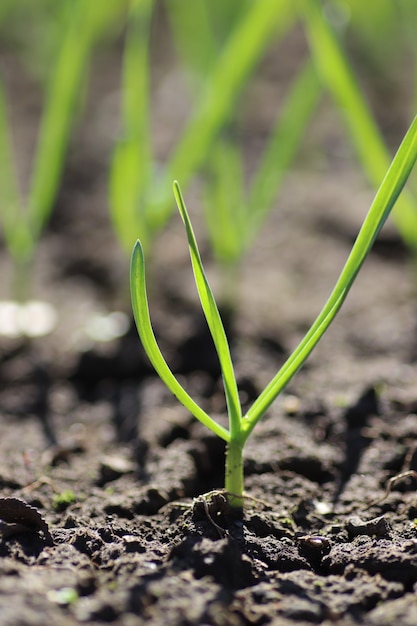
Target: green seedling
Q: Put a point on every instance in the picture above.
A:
(131, 166)
(241, 426)
(23, 219)
(134, 175)
(233, 213)
(234, 217)
(61, 501)
(200, 30)
(339, 79)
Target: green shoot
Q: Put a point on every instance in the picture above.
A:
(339, 79)
(290, 127)
(135, 206)
(235, 64)
(193, 37)
(241, 426)
(15, 230)
(23, 219)
(408, 14)
(233, 220)
(132, 159)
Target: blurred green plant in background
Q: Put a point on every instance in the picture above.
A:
(362, 129)
(65, 32)
(218, 47)
(140, 190)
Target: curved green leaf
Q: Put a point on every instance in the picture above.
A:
(338, 77)
(147, 337)
(214, 321)
(384, 201)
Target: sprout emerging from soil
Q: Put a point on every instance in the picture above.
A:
(241, 426)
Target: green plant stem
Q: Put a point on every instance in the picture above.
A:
(234, 474)
(21, 279)
(290, 128)
(337, 75)
(222, 87)
(131, 164)
(59, 111)
(229, 288)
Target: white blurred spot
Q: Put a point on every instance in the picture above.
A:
(107, 327)
(37, 318)
(9, 319)
(31, 319)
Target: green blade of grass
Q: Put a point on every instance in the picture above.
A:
(214, 321)
(130, 170)
(408, 14)
(232, 220)
(16, 234)
(9, 193)
(56, 123)
(127, 212)
(146, 334)
(224, 206)
(336, 74)
(236, 62)
(384, 201)
(200, 28)
(192, 34)
(136, 74)
(5, 7)
(290, 127)
(86, 20)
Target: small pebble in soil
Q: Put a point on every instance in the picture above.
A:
(112, 467)
(378, 526)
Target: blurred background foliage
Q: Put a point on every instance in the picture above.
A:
(202, 59)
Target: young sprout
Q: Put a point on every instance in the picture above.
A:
(135, 206)
(23, 218)
(241, 426)
(338, 77)
(233, 217)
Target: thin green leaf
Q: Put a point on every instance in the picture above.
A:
(9, 194)
(338, 77)
(233, 221)
(146, 334)
(85, 21)
(136, 73)
(15, 231)
(131, 165)
(224, 207)
(241, 52)
(290, 127)
(56, 123)
(127, 212)
(5, 7)
(214, 321)
(192, 34)
(383, 203)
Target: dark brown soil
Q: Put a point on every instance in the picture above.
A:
(92, 439)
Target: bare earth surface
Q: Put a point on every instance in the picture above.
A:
(92, 440)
